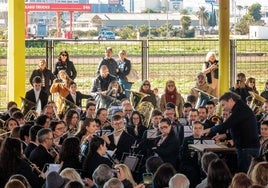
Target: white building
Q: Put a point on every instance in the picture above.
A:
(258, 32)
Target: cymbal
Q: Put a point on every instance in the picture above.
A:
(199, 90)
(256, 96)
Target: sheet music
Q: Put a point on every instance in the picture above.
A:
(53, 168)
(152, 133)
(188, 130)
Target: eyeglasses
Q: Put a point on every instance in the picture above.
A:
(170, 85)
(146, 84)
(163, 127)
(50, 138)
(64, 55)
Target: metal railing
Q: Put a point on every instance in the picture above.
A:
(155, 60)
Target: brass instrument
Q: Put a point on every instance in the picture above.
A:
(217, 119)
(256, 103)
(144, 107)
(29, 108)
(67, 105)
(203, 98)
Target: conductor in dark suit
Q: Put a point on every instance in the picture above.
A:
(36, 93)
(243, 128)
(120, 140)
(76, 96)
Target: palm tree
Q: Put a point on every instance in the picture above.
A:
(203, 16)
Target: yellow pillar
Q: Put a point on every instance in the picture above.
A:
(224, 46)
(16, 51)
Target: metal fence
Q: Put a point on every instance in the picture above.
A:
(155, 60)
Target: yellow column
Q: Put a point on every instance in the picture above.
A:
(16, 51)
(224, 47)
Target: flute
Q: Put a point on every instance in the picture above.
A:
(3, 134)
(117, 131)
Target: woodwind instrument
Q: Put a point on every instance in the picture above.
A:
(32, 165)
(6, 133)
(117, 131)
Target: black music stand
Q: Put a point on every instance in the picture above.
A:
(133, 161)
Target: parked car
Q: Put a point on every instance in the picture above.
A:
(106, 35)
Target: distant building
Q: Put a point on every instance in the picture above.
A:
(258, 32)
(120, 20)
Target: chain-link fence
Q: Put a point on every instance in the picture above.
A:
(155, 60)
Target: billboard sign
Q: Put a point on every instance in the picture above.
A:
(57, 7)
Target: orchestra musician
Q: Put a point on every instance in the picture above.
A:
(120, 141)
(170, 114)
(136, 127)
(69, 155)
(13, 162)
(264, 132)
(7, 113)
(71, 119)
(33, 140)
(58, 128)
(166, 146)
(203, 117)
(95, 156)
(102, 115)
(201, 84)
(76, 96)
(189, 163)
(240, 87)
(211, 109)
(36, 93)
(44, 153)
(115, 90)
(85, 134)
(264, 92)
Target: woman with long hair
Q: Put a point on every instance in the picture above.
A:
(65, 64)
(61, 86)
(251, 82)
(211, 69)
(71, 119)
(115, 90)
(219, 174)
(136, 127)
(171, 94)
(124, 175)
(69, 155)
(146, 88)
(95, 156)
(12, 162)
(85, 135)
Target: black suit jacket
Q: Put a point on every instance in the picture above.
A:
(124, 144)
(168, 149)
(92, 161)
(79, 97)
(40, 157)
(28, 150)
(31, 97)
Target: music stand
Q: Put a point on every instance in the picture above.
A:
(133, 161)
